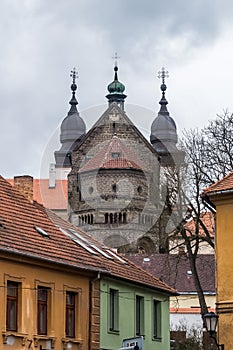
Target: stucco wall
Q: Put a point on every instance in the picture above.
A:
(30, 276)
(224, 253)
(127, 294)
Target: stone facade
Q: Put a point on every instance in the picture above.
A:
(117, 205)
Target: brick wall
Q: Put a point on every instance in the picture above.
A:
(24, 185)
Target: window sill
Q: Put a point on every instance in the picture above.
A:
(112, 331)
(38, 338)
(7, 334)
(65, 341)
(157, 339)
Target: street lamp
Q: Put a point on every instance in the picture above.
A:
(211, 322)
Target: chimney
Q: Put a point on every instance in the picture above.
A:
(52, 176)
(24, 185)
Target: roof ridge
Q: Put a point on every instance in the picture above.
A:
(215, 184)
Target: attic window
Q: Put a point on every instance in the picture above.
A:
(116, 154)
(42, 232)
(89, 156)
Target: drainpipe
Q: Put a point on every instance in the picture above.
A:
(91, 286)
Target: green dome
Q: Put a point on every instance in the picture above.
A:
(116, 87)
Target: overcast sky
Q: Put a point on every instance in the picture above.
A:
(42, 40)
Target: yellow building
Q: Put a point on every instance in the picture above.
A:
(220, 195)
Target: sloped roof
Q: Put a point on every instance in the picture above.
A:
(102, 120)
(64, 244)
(104, 158)
(51, 197)
(175, 270)
(207, 219)
(222, 185)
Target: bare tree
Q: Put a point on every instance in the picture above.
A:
(209, 157)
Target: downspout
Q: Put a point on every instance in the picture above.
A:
(91, 283)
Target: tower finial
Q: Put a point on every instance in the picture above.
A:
(73, 102)
(116, 88)
(73, 74)
(163, 74)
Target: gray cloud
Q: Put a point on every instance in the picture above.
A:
(42, 40)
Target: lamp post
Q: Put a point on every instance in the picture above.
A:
(211, 322)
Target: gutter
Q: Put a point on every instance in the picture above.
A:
(206, 198)
(64, 264)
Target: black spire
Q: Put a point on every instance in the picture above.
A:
(73, 102)
(73, 128)
(163, 129)
(163, 102)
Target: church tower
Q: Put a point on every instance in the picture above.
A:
(114, 188)
(163, 131)
(73, 129)
(113, 178)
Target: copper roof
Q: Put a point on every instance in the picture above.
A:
(222, 185)
(104, 158)
(19, 219)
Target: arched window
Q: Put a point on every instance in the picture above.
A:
(111, 218)
(115, 218)
(120, 218)
(106, 218)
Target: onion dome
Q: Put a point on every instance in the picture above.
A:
(163, 129)
(116, 87)
(116, 90)
(73, 129)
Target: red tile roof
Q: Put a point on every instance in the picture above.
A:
(104, 158)
(18, 235)
(208, 220)
(224, 184)
(50, 197)
(189, 310)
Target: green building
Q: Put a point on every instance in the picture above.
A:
(130, 310)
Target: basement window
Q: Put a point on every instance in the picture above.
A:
(42, 232)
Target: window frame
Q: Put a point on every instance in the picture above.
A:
(113, 310)
(70, 307)
(139, 315)
(157, 320)
(42, 310)
(12, 300)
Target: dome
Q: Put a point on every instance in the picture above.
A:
(163, 129)
(116, 91)
(72, 128)
(116, 87)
